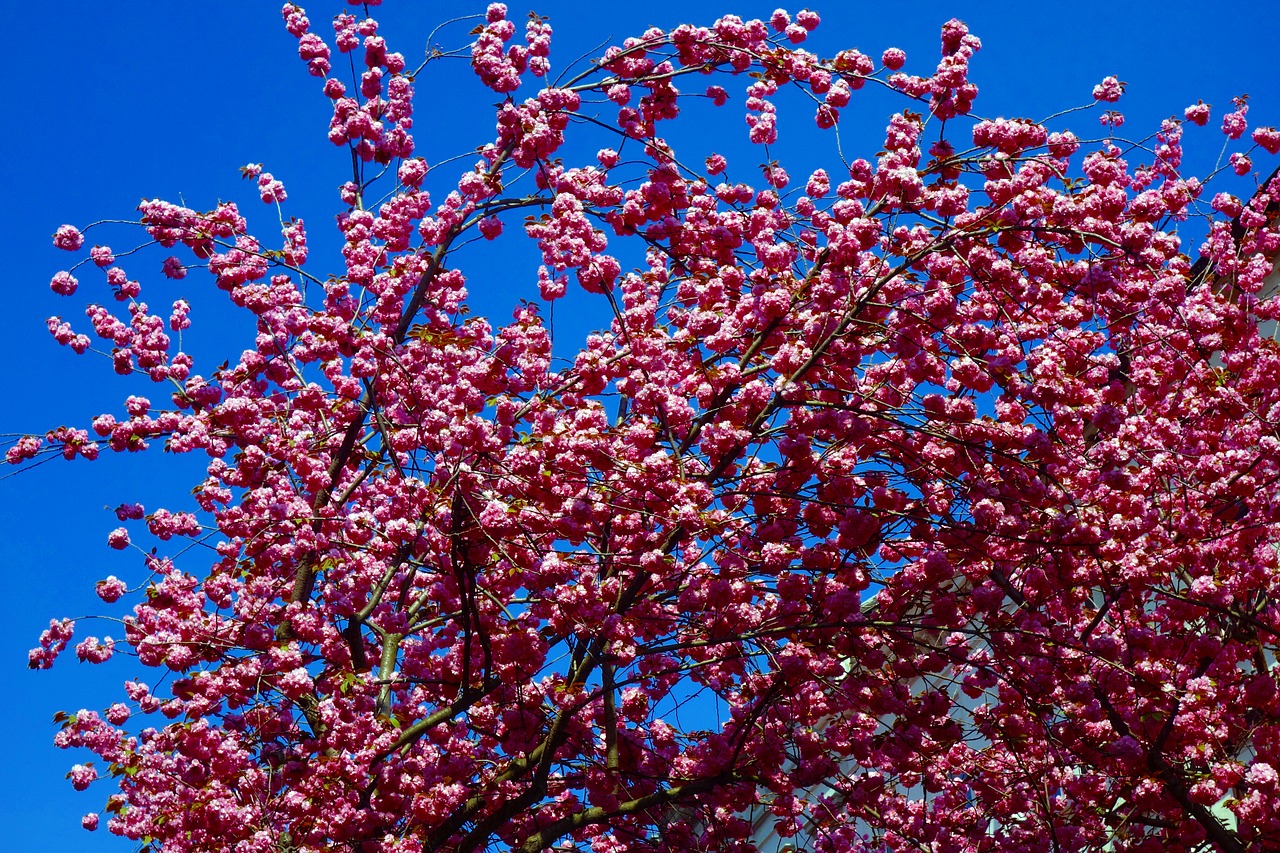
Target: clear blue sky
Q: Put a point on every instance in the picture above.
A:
(112, 102)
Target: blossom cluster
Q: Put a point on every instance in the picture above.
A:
(942, 469)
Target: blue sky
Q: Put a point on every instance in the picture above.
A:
(113, 102)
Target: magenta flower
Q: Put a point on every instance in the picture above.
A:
(68, 238)
(893, 58)
(111, 589)
(173, 268)
(82, 775)
(64, 284)
(1109, 90)
(1197, 113)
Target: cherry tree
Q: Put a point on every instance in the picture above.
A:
(922, 501)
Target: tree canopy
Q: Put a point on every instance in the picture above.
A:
(923, 500)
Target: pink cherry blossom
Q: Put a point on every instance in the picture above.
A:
(53, 640)
(111, 589)
(1268, 138)
(68, 238)
(64, 284)
(1234, 123)
(173, 268)
(23, 449)
(1109, 90)
(82, 775)
(93, 650)
(1197, 113)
